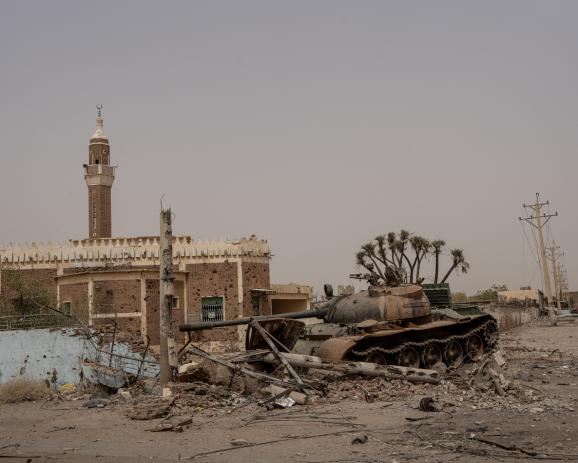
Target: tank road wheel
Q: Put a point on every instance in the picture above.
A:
(491, 333)
(475, 347)
(376, 357)
(430, 355)
(408, 357)
(454, 354)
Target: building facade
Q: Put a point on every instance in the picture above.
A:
(112, 281)
(106, 281)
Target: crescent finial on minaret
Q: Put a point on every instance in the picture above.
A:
(99, 133)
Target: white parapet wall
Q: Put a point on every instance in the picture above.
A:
(137, 250)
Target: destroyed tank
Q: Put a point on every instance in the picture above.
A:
(396, 325)
(384, 325)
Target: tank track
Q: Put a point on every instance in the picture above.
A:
(488, 331)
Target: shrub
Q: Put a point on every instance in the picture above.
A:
(22, 389)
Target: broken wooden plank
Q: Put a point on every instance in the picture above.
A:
(416, 375)
(268, 339)
(246, 371)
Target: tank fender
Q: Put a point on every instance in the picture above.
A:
(334, 349)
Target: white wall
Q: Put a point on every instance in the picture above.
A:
(45, 353)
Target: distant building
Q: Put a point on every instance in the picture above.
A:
(524, 296)
(290, 298)
(572, 298)
(107, 280)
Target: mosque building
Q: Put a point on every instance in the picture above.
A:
(105, 280)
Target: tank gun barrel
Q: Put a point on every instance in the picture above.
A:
(315, 313)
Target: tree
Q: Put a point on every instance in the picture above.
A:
(21, 295)
(458, 261)
(393, 259)
(421, 248)
(459, 296)
(437, 246)
(491, 293)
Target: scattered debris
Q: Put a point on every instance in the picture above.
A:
(67, 389)
(489, 374)
(296, 397)
(417, 375)
(96, 403)
(428, 404)
(505, 447)
(360, 439)
(239, 442)
(284, 402)
(62, 428)
(162, 427)
(124, 394)
(150, 410)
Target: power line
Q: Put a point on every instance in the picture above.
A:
(530, 280)
(537, 222)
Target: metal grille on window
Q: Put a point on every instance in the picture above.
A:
(212, 309)
(66, 307)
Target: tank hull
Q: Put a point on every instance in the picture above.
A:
(424, 345)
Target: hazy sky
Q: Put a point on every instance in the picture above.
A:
(313, 124)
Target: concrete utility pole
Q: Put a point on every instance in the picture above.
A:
(539, 225)
(553, 254)
(168, 346)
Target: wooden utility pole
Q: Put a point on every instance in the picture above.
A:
(539, 225)
(168, 350)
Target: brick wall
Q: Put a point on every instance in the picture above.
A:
(99, 152)
(126, 327)
(153, 310)
(32, 281)
(121, 296)
(210, 280)
(77, 295)
(255, 276)
(100, 196)
(153, 304)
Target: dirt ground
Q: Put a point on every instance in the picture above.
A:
(536, 419)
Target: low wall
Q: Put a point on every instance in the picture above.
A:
(511, 317)
(56, 355)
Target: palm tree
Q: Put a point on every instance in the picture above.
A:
(437, 246)
(393, 259)
(391, 239)
(381, 241)
(423, 248)
(398, 247)
(369, 249)
(416, 244)
(458, 261)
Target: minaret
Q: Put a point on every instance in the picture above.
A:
(99, 176)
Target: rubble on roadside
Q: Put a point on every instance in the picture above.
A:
(271, 379)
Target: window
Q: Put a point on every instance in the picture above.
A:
(256, 304)
(176, 302)
(66, 307)
(212, 309)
